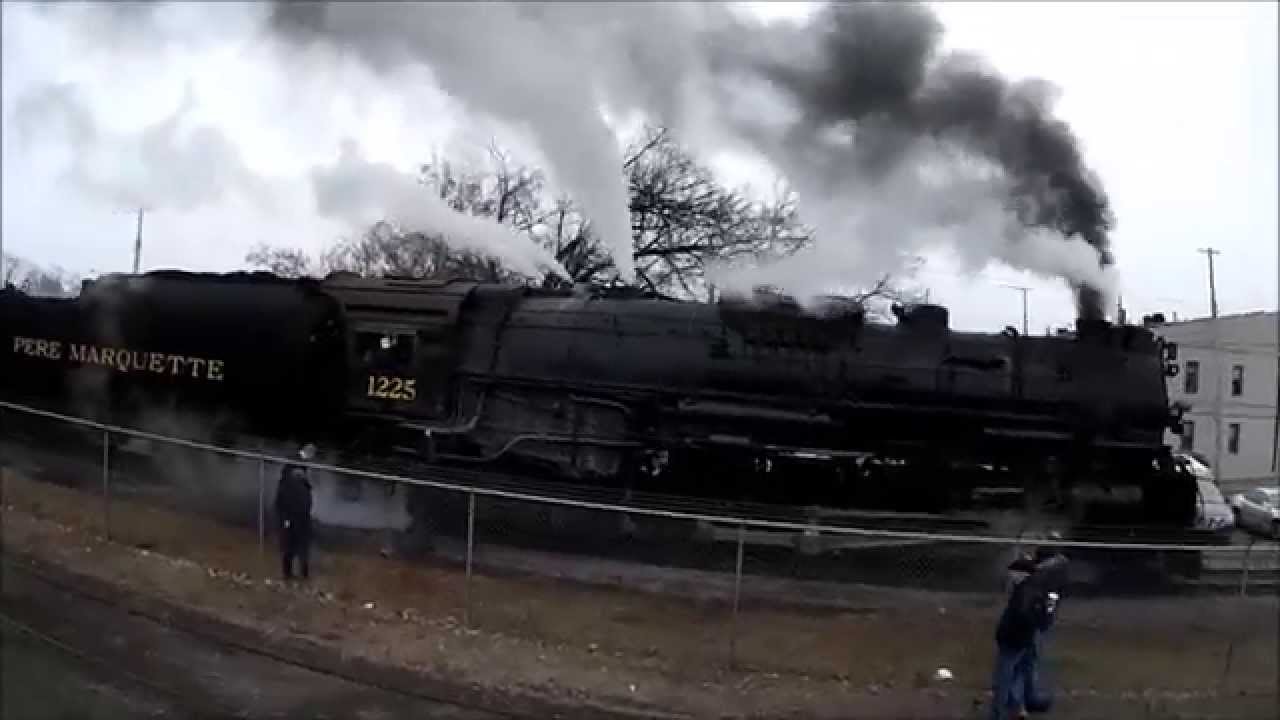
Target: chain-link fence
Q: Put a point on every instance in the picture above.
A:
(701, 591)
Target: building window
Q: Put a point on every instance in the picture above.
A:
(1191, 381)
(1237, 380)
(1233, 438)
(1188, 436)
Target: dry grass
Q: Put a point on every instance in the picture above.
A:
(550, 634)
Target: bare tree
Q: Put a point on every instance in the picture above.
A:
(8, 270)
(285, 262)
(682, 218)
(35, 280)
(386, 251)
(877, 301)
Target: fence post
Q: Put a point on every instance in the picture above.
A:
(1231, 638)
(262, 514)
(1244, 568)
(106, 482)
(737, 592)
(471, 536)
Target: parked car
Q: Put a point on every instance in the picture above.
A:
(1258, 510)
(1195, 464)
(1212, 510)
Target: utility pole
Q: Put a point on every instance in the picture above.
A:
(137, 243)
(1216, 367)
(1024, 291)
(1275, 427)
(1213, 292)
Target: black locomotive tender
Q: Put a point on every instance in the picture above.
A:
(756, 400)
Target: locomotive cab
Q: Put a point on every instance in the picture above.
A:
(384, 371)
(402, 343)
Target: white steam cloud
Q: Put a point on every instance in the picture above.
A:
(361, 193)
(497, 59)
(172, 164)
(893, 146)
(182, 163)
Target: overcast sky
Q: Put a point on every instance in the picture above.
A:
(1174, 103)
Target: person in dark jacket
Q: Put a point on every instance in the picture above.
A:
(1024, 614)
(293, 511)
(1050, 582)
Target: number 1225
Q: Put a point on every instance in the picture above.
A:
(392, 388)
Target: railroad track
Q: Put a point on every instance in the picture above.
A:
(204, 675)
(122, 680)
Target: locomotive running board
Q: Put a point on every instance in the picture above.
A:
(1036, 434)
(718, 408)
(1057, 435)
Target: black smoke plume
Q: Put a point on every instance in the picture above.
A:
(859, 107)
(872, 71)
(877, 70)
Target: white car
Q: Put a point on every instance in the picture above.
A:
(1212, 511)
(1258, 510)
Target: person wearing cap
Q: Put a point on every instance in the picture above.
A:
(293, 511)
(1048, 582)
(1014, 638)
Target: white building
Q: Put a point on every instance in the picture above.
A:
(1232, 361)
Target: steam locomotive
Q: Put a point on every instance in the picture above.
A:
(755, 399)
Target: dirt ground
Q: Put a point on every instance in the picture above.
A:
(69, 656)
(555, 639)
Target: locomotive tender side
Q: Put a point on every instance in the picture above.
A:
(214, 355)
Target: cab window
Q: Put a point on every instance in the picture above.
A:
(384, 350)
(385, 368)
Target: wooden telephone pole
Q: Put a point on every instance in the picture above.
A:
(137, 243)
(1215, 367)
(1213, 291)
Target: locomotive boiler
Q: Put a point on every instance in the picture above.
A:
(754, 399)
